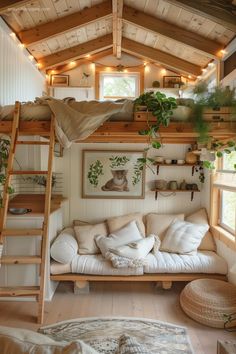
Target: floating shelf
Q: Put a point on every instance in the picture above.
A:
(175, 191)
(192, 165)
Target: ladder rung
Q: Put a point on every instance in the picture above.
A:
(28, 172)
(32, 142)
(20, 260)
(22, 232)
(20, 291)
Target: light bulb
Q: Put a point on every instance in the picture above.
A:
(163, 71)
(31, 57)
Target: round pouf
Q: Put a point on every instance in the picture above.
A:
(208, 301)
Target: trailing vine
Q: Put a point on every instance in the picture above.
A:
(95, 170)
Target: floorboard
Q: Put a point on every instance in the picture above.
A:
(115, 299)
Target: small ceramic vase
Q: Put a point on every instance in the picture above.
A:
(183, 185)
(173, 185)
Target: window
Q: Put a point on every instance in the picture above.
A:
(227, 184)
(119, 85)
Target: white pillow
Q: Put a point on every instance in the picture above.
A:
(183, 237)
(65, 247)
(157, 224)
(86, 234)
(117, 222)
(135, 250)
(22, 341)
(129, 233)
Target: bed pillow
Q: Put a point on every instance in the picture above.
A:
(129, 233)
(65, 247)
(135, 250)
(86, 234)
(200, 217)
(21, 341)
(183, 237)
(116, 223)
(158, 224)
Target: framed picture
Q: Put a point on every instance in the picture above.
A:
(59, 80)
(112, 174)
(171, 81)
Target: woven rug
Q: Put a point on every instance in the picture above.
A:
(103, 334)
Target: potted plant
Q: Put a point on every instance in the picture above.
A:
(215, 100)
(4, 153)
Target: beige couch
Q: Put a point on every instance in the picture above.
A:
(84, 263)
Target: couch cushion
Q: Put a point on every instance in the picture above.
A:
(22, 341)
(129, 233)
(183, 237)
(201, 262)
(200, 217)
(65, 246)
(118, 222)
(98, 265)
(86, 234)
(157, 224)
(59, 268)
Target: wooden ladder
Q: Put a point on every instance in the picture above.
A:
(35, 291)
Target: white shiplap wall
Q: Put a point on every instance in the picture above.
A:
(19, 78)
(99, 209)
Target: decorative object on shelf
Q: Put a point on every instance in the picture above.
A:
(159, 159)
(173, 185)
(180, 162)
(184, 109)
(19, 211)
(174, 162)
(161, 184)
(183, 185)
(172, 81)
(156, 84)
(168, 161)
(59, 80)
(113, 174)
(190, 157)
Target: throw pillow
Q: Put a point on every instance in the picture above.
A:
(129, 233)
(21, 341)
(86, 237)
(116, 223)
(200, 217)
(157, 224)
(65, 246)
(135, 250)
(183, 237)
(130, 345)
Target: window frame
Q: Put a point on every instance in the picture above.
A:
(220, 213)
(119, 74)
(137, 70)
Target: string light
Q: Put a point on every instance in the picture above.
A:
(31, 57)
(223, 52)
(163, 71)
(38, 65)
(189, 76)
(72, 63)
(13, 35)
(21, 45)
(88, 56)
(204, 70)
(211, 64)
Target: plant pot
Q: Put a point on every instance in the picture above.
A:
(181, 113)
(141, 108)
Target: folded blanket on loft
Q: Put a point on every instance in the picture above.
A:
(74, 120)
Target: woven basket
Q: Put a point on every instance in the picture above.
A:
(208, 301)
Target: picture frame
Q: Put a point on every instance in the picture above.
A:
(171, 81)
(59, 80)
(112, 174)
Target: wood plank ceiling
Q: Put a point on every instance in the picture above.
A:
(173, 33)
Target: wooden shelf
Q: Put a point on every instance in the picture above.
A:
(175, 191)
(192, 165)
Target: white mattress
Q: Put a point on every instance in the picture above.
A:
(97, 265)
(201, 262)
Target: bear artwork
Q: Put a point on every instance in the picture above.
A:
(118, 183)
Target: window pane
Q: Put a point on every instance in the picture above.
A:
(229, 161)
(228, 209)
(119, 86)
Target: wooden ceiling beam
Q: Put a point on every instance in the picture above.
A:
(117, 10)
(6, 5)
(170, 61)
(154, 24)
(67, 67)
(222, 12)
(64, 24)
(75, 52)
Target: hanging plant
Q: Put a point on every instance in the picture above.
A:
(4, 153)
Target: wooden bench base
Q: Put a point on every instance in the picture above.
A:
(81, 281)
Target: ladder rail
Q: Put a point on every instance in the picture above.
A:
(5, 232)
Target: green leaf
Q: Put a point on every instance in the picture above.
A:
(209, 165)
(231, 143)
(235, 166)
(227, 151)
(156, 144)
(219, 154)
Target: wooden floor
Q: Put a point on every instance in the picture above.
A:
(116, 299)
